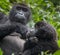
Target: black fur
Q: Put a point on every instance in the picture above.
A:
(11, 30)
(46, 35)
(15, 21)
(5, 26)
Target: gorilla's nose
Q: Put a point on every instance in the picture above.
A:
(22, 14)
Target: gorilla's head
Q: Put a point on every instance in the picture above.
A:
(45, 31)
(20, 13)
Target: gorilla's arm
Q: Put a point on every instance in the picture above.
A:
(6, 29)
(22, 29)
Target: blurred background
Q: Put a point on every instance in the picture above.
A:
(47, 10)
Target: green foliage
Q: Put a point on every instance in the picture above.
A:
(4, 6)
(57, 52)
(1, 52)
(58, 43)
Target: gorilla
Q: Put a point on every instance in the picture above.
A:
(14, 30)
(46, 36)
(19, 16)
(5, 27)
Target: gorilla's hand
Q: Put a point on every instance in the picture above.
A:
(20, 28)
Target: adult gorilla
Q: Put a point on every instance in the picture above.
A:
(14, 28)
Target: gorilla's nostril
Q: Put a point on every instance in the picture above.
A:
(21, 13)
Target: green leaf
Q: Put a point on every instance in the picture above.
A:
(1, 52)
(57, 52)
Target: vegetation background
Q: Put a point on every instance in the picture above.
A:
(47, 10)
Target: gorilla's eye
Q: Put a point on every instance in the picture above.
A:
(25, 9)
(18, 8)
(22, 8)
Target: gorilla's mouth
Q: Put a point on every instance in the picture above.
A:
(20, 17)
(20, 20)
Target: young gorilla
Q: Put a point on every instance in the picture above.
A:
(46, 36)
(16, 24)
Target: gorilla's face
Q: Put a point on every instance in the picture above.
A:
(20, 13)
(44, 31)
